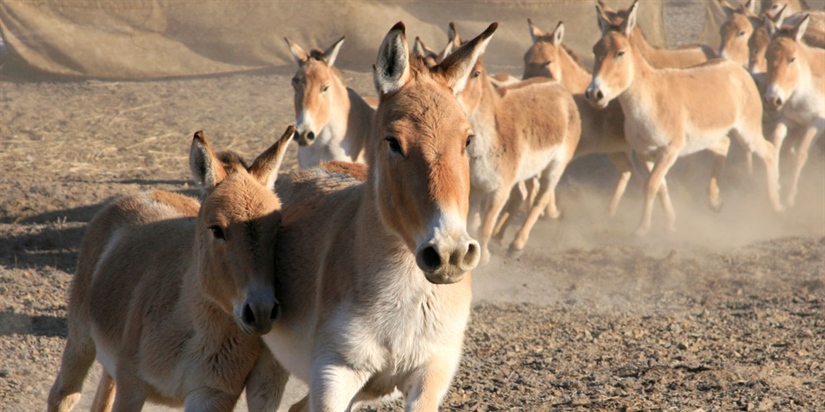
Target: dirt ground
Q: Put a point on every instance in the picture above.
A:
(725, 314)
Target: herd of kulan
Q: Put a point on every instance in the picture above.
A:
(353, 273)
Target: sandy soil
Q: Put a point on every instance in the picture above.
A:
(725, 314)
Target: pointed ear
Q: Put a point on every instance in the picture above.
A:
(332, 52)
(452, 36)
(604, 6)
(298, 54)
(392, 70)
(207, 170)
(449, 48)
(779, 17)
(770, 26)
(748, 10)
(535, 33)
(558, 34)
(630, 22)
(602, 20)
(421, 50)
(799, 30)
(457, 67)
(727, 8)
(266, 165)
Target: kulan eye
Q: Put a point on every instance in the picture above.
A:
(792, 59)
(324, 89)
(217, 232)
(476, 74)
(620, 53)
(470, 138)
(395, 147)
(741, 33)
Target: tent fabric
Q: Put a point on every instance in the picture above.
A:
(143, 39)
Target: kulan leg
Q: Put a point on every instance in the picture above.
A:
(667, 157)
(816, 129)
(78, 357)
(105, 395)
(720, 154)
(663, 193)
(497, 201)
(547, 196)
(334, 385)
(433, 382)
(266, 383)
(512, 207)
(624, 164)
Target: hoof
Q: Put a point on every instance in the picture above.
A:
(514, 253)
(716, 207)
(485, 258)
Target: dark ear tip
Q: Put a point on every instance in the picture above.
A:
(491, 29)
(399, 27)
(290, 130)
(199, 135)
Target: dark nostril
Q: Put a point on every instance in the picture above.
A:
(311, 136)
(276, 312)
(430, 258)
(778, 102)
(599, 95)
(248, 316)
(472, 254)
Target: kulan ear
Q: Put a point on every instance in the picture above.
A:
(457, 67)
(207, 170)
(298, 54)
(770, 26)
(727, 8)
(750, 6)
(558, 34)
(799, 30)
(630, 22)
(331, 53)
(779, 17)
(452, 36)
(392, 69)
(266, 165)
(602, 20)
(421, 50)
(535, 32)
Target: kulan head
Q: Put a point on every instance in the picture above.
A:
(614, 67)
(736, 31)
(236, 228)
(419, 168)
(543, 56)
(785, 63)
(314, 85)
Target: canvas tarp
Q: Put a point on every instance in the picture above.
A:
(141, 39)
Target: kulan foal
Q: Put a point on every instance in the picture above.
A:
(172, 296)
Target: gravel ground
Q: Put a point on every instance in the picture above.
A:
(725, 314)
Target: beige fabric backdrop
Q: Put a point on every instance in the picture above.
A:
(140, 39)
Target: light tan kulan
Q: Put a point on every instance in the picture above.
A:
(172, 296)
(375, 274)
(666, 110)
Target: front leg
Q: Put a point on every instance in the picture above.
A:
(427, 391)
(817, 128)
(265, 384)
(488, 223)
(667, 157)
(208, 399)
(334, 384)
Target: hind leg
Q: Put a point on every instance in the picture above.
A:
(514, 203)
(751, 139)
(74, 365)
(546, 199)
(816, 129)
(720, 154)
